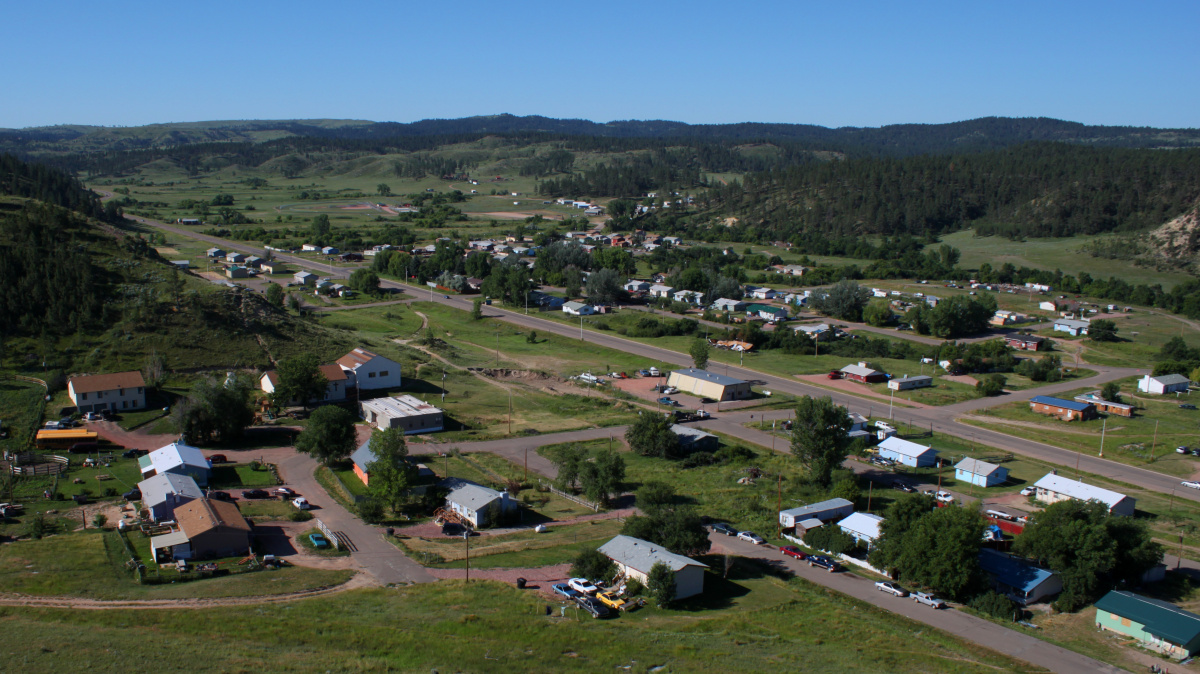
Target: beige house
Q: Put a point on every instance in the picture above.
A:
(634, 559)
(119, 391)
(705, 384)
(207, 530)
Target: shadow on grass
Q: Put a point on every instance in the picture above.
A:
(722, 588)
(260, 437)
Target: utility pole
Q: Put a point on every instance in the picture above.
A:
(581, 327)
(1103, 426)
(467, 540)
(870, 493)
(526, 463)
(778, 504)
(1154, 441)
(510, 427)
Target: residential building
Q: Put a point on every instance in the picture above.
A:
(406, 412)
(1067, 410)
(863, 527)
(1071, 327)
(362, 458)
(689, 296)
(208, 529)
(310, 248)
(1156, 625)
(1046, 306)
(792, 269)
(732, 306)
(304, 278)
(336, 383)
(760, 293)
(659, 290)
(824, 511)
(330, 250)
(635, 286)
(1106, 406)
(1019, 579)
(859, 426)
(907, 382)
(705, 384)
(179, 459)
(272, 267)
(818, 331)
(479, 506)
(1025, 342)
(215, 252)
(119, 391)
(980, 473)
(237, 272)
(908, 453)
(1163, 384)
(694, 439)
(1054, 488)
(578, 309)
(768, 313)
(235, 258)
(635, 558)
(369, 371)
(253, 262)
(162, 493)
(863, 374)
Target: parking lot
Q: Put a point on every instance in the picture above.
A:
(643, 387)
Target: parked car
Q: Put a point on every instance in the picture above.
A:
(318, 541)
(835, 374)
(1181, 450)
(665, 401)
(824, 562)
(283, 492)
(721, 528)
(565, 590)
(643, 373)
(91, 416)
(219, 495)
(670, 390)
(1191, 484)
(793, 551)
(301, 503)
(134, 453)
(751, 537)
(53, 425)
(901, 486)
(1187, 406)
(610, 599)
(1029, 491)
(582, 586)
(134, 494)
(941, 496)
(218, 458)
(1196, 451)
(593, 606)
(928, 600)
(891, 588)
(255, 493)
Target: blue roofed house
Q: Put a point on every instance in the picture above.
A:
(179, 459)
(980, 473)
(908, 453)
(1156, 625)
(1020, 580)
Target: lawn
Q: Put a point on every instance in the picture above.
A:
(240, 476)
(1141, 335)
(18, 413)
(90, 564)
(750, 622)
(557, 545)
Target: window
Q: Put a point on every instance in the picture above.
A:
(383, 374)
(124, 404)
(1124, 622)
(83, 396)
(141, 390)
(121, 393)
(371, 375)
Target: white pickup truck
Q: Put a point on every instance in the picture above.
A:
(928, 600)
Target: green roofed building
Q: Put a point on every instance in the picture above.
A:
(1159, 626)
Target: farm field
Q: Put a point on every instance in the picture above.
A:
(748, 622)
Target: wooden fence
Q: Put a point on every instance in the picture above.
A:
(572, 498)
(41, 464)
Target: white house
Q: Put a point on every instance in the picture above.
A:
(635, 558)
(1071, 327)
(908, 453)
(1166, 383)
(732, 306)
(117, 391)
(236, 258)
(910, 382)
(310, 248)
(760, 293)
(304, 278)
(1046, 306)
(336, 383)
(825, 511)
(659, 290)
(635, 286)
(578, 309)
(689, 296)
(980, 473)
(864, 527)
(1054, 488)
(477, 505)
(179, 459)
(368, 371)
(820, 332)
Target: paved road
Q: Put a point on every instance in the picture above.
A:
(963, 625)
(521, 449)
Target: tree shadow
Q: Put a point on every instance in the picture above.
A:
(722, 589)
(260, 437)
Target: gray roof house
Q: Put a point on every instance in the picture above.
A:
(478, 505)
(834, 508)
(635, 558)
(694, 439)
(162, 492)
(177, 458)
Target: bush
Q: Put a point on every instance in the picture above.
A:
(99, 520)
(634, 587)
(593, 565)
(698, 459)
(830, 538)
(300, 516)
(991, 385)
(996, 605)
(734, 453)
(370, 510)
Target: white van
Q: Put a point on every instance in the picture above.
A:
(654, 372)
(301, 503)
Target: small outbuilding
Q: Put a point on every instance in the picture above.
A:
(908, 453)
(694, 439)
(1162, 384)
(1156, 625)
(980, 473)
(635, 558)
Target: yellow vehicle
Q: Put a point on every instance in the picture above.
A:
(610, 599)
(64, 439)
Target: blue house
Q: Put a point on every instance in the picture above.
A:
(1018, 579)
(908, 453)
(980, 473)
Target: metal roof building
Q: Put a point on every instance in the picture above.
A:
(1021, 580)
(1054, 488)
(907, 453)
(1157, 625)
(705, 384)
(636, 557)
(833, 509)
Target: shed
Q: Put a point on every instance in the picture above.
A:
(236, 258)
(635, 558)
(1071, 327)
(1166, 383)
(864, 527)
(406, 412)
(1019, 579)
(980, 473)
(215, 252)
(694, 439)
(1067, 410)
(906, 383)
(1157, 625)
(862, 373)
(304, 278)
(705, 384)
(578, 309)
(833, 509)
(908, 453)
(1054, 488)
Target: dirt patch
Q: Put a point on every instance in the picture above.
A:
(540, 578)
(853, 388)
(961, 378)
(521, 215)
(526, 376)
(166, 250)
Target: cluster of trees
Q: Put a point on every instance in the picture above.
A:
(51, 186)
(599, 475)
(1176, 357)
(667, 522)
(956, 316)
(931, 546)
(216, 410)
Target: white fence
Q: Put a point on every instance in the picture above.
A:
(862, 563)
(333, 540)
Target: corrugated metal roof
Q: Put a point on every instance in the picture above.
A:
(705, 375)
(155, 489)
(1172, 379)
(1163, 620)
(472, 496)
(1059, 402)
(904, 447)
(643, 555)
(863, 523)
(1079, 490)
(859, 370)
(805, 512)
(977, 467)
(1013, 571)
(176, 454)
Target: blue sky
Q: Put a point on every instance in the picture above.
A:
(828, 63)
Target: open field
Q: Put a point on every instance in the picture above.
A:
(557, 545)
(18, 412)
(750, 622)
(1141, 335)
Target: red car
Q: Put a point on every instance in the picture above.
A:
(793, 551)
(835, 374)
(218, 458)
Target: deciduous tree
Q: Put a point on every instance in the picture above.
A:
(391, 476)
(819, 436)
(329, 435)
(298, 378)
(651, 435)
(661, 584)
(699, 352)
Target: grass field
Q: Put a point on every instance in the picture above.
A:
(749, 622)
(18, 412)
(89, 564)
(557, 545)
(1141, 335)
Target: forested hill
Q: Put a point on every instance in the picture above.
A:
(894, 140)
(1040, 189)
(35, 181)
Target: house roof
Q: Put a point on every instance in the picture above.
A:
(1070, 323)
(906, 448)
(863, 523)
(1028, 339)
(270, 376)
(167, 540)
(1169, 379)
(155, 489)
(643, 555)
(810, 523)
(705, 375)
(1013, 571)
(860, 370)
(813, 329)
(175, 454)
(90, 383)
(1079, 490)
(202, 515)
(661, 289)
(805, 512)
(469, 495)
(359, 356)
(976, 467)
(332, 372)
(915, 377)
(1163, 620)
(574, 306)
(693, 433)
(1059, 402)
